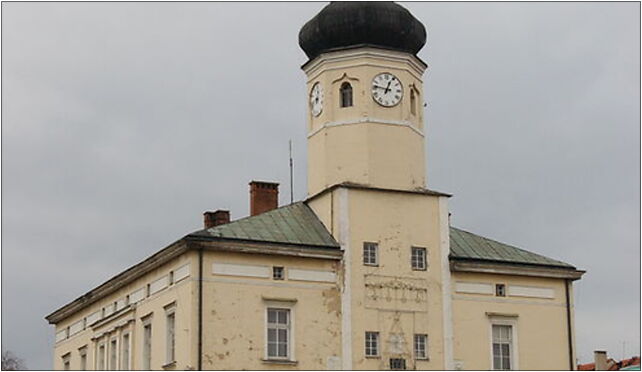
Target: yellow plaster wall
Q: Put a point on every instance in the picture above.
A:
(396, 221)
(235, 306)
(541, 328)
(180, 293)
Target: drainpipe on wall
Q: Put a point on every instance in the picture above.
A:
(200, 309)
(569, 327)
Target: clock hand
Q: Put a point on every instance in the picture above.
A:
(388, 86)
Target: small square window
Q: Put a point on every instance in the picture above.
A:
(500, 290)
(278, 273)
(370, 254)
(397, 363)
(418, 258)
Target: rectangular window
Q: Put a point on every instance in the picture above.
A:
(397, 363)
(278, 333)
(418, 258)
(278, 273)
(421, 346)
(124, 357)
(147, 345)
(101, 357)
(171, 336)
(370, 254)
(502, 346)
(372, 344)
(82, 352)
(66, 362)
(500, 290)
(113, 355)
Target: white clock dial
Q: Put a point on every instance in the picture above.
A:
(386, 89)
(316, 99)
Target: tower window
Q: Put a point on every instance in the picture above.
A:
(397, 364)
(370, 254)
(372, 344)
(413, 102)
(346, 95)
(500, 290)
(418, 258)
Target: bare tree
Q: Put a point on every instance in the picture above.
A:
(10, 362)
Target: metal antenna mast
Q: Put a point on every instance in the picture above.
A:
(291, 187)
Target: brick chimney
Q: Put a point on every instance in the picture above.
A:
(601, 363)
(264, 196)
(219, 217)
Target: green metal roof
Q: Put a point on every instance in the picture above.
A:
(297, 224)
(292, 224)
(468, 246)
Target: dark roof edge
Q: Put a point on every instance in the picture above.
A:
(514, 268)
(259, 247)
(358, 186)
(357, 46)
(264, 242)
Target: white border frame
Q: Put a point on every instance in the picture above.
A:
(514, 353)
(273, 304)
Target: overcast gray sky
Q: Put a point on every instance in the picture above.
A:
(123, 122)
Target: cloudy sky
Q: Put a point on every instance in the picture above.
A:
(123, 122)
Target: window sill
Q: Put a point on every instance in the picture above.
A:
(280, 361)
(171, 364)
(373, 356)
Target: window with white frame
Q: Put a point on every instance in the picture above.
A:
(370, 254)
(421, 346)
(170, 319)
(113, 354)
(66, 362)
(372, 344)
(82, 353)
(502, 346)
(418, 258)
(278, 333)
(124, 356)
(100, 365)
(147, 343)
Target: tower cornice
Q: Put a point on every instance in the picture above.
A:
(361, 55)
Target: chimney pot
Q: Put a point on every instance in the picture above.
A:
(219, 217)
(601, 363)
(264, 196)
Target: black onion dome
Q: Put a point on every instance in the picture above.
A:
(352, 23)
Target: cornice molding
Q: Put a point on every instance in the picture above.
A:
(471, 266)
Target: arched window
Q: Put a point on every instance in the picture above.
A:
(413, 102)
(346, 94)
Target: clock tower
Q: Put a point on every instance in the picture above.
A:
(365, 96)
(367, 184)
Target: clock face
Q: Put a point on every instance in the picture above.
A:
(316, 99)
(386, 89)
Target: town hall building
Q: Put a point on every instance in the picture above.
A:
(365, 273)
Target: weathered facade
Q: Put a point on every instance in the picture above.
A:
(366, 273)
